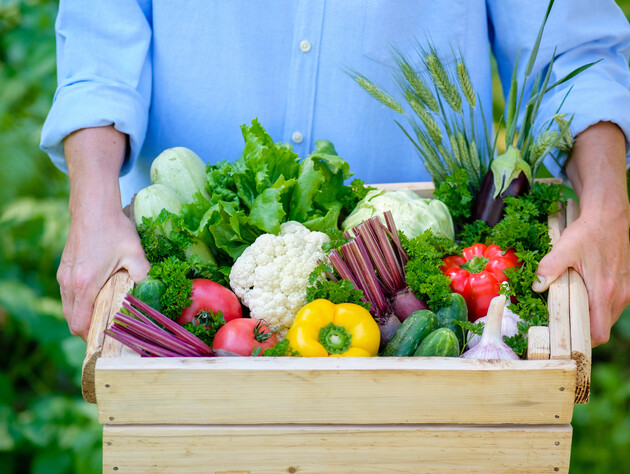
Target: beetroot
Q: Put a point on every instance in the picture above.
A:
(388, 326)
(406, 302)
(374, 261)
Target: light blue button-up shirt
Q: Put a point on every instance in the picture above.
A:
(189, 73)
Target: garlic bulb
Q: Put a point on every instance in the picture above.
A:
(491, 345)
(509, 326)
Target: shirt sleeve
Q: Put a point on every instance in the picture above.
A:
(103, 73)
(580, 32)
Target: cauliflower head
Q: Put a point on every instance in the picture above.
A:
(271, 275)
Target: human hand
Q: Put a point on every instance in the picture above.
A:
(598, 248)
(99, 244)
(101, 239)
(597, 245)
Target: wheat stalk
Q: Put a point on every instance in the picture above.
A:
(417, 85)
(566, 140)
(379, 94)
(433, 129)
(442, 82)
(465, 84)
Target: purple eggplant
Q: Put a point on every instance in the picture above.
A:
(490, 209)
(511, 175)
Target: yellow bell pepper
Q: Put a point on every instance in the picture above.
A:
(322, 329)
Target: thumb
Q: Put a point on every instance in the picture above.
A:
(552, 265)
(137, 266)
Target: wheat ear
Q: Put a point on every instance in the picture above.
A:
(442, 82)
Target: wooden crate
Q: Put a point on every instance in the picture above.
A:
(377, 415)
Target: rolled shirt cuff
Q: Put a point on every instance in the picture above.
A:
(91, 103)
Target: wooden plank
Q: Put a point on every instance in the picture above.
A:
(424, 189)
(580, 336)
(538, 343)
(259, 390)
(336, 449)
(106, 305)
(580, 323)
(558, 301)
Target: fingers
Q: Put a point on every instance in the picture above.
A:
(79, 288)
(609, 295)
(554, 264)
(137, 265)
(92, 254)
(604, 264)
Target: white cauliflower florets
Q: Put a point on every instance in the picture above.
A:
(271, 275)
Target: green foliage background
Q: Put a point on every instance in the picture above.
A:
(45, 426)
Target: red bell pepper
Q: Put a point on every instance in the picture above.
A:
(477, 275)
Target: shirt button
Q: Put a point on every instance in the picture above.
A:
(305, 46)
(297, 137)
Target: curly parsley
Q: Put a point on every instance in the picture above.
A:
(423, 273)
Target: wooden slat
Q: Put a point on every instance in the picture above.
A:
(538, 343)
(580, 323)
(424, 190)
(237, 390)
(341, 449)
(107, 303)
(558, 301)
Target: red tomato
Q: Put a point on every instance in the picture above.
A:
(241, 336)
(210, 296)
(477, 275)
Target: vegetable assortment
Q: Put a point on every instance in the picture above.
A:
(317, 277)
(274, 255)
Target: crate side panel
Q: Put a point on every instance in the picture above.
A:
(337, 391)
(351, 449)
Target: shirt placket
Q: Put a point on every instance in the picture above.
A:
(306, 45)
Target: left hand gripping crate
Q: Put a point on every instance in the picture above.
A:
(329, 415)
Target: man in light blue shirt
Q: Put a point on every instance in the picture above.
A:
(138, 77)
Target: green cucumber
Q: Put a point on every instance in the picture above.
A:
(440, 343)
(410, 333)
(455, 310)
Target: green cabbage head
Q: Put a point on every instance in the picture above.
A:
(412, 214)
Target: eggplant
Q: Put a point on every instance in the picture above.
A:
(509, 175)
(490, 209)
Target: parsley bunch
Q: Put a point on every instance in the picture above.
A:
(423, 273)
(524, 228)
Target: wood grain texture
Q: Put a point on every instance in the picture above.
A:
(558, 301)
(229, 390)
(337, 449)
(107, 303)
(580, 323)
(424, 190)
(538, 343)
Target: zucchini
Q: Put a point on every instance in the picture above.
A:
(455, 310)
(440, 343)
(410, 333)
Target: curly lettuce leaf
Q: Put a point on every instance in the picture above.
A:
(316, 200)
(266, 186)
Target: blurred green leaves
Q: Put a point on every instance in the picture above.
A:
(45, 426)
(27, 85)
